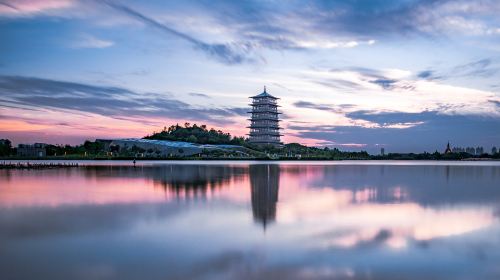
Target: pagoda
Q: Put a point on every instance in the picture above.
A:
(264, 123)
(448, 149)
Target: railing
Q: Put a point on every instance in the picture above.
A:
(264, 139)
(274, 120)
(264, 102)
(264, 129)
(255, 126)
(265, 106)
(264, 115)
(268, 132)
(265, 111)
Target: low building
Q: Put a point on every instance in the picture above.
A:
(34, 150)
(494, 150)
(165, 148)
(105, 143)
(159, 148)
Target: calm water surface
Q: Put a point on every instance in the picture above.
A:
(252, 220)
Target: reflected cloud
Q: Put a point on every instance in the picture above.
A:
(395, 225)
(36, 222)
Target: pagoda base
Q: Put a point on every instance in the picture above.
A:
(271, 144)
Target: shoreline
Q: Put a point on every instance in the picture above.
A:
(4, 160)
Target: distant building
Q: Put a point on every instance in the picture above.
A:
(448, 149)
(382, 151)
(35, 150)
(470, 150)
(494, 150)
(264, 122)
(479, 151)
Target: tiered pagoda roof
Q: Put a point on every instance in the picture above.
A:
(264, 121)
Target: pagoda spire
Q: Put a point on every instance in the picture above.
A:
(448, 149)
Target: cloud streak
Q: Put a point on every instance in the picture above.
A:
(483, 68)
(430, 129)
(344, 24)
(90, 42)
(113, 102)
(23, 7)
(359, 78)
(225, 53)
(340, 108)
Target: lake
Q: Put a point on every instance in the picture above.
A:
(252, 220)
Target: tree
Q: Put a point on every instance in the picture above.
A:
(197, 134)
(5, 147)
(93, 147)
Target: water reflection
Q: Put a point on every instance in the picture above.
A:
(197, 221)
(264, 181)
(179, 181)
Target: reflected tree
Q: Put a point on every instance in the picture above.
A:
(180, 180)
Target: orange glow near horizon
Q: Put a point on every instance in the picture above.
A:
(52, 130)
(17, 125)
(76, 127)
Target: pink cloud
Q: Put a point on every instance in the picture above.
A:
(26, 7)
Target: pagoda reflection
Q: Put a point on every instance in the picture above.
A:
(264, 182)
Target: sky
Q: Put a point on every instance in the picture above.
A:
(406, 76)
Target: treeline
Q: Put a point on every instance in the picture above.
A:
(202, 135)
(196, 134)
(6, 148)
(434, 156)
(87, 148)
(294, 150)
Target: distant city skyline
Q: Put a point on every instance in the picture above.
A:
(406, 76)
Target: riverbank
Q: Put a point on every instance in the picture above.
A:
(374, 158)
(36, 165)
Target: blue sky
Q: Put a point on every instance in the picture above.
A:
(359, 75)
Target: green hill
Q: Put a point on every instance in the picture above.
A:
(196, 134)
